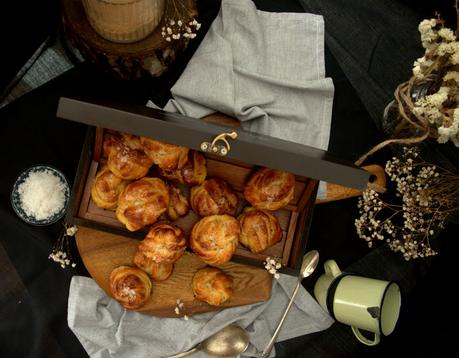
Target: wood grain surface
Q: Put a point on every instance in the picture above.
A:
(102, 252)
(338, 192)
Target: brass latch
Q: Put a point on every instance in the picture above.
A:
(219, 149)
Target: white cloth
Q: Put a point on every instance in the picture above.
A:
(105, 329)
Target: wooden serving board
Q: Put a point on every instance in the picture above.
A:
(102, 252)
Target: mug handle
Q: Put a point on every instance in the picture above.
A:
(363, 339)
(331, 267)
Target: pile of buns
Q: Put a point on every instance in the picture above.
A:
(145, 200)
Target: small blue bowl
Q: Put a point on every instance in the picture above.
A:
(16, 199)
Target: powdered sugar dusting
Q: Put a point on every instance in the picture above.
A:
(129, 293)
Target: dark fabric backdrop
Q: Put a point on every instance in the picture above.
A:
(34, 290)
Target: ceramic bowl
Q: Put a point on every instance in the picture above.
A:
(16, 199)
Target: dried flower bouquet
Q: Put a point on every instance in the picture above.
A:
(427, 104)
(428, 195)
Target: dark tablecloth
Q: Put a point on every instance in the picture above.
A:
(34, 290)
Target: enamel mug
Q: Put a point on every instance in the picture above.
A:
(360, 302)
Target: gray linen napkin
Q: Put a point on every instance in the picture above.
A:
(265, 69)
(105, 329)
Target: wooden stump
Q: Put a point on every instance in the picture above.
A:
(148, 57)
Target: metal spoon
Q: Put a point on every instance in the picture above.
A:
(230, 341)
(309, 264)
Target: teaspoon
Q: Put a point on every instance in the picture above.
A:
(308, 265)
(230, 341)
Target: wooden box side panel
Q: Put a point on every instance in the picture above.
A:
(302, 229)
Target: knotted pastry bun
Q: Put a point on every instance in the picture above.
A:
(158, 272)
(260, 229)
(112, 140)
(130, 286)
(212, 285)
(213, 197)
(214, 238)
(166, 156)
(142, 202)
(178, 204)
(106, 189)
(270, 189)
(194, 171)
(164, 243)
(126, 158)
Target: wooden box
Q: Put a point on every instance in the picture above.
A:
(247, 152)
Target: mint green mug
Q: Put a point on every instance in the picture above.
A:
(360, 302)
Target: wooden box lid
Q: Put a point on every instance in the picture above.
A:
(248, 147)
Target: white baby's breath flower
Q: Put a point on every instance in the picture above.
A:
(428, 35)
(426, 198)
(448, 133)
(456, 116)
(443, 135)
(447, 34)
(446, 48)
(455, 58)
(426, 25)
(71, 231)
(417, 72)
(451, 75)
(272, 265)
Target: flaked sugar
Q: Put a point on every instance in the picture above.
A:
(42, 194)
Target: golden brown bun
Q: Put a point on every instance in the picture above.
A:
(158, 272)
(213, 197)
(194, 171)
(212, 285)
(126, 158)
(130, 286)
(270, 189)
(178, 204)
(164, 243)
(214, 238)
(142, 202)
(164, 155)
(112, 140)
(106, 189)
(260, 229)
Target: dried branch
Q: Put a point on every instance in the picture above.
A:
(428, 195)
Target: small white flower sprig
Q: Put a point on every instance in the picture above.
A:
(180, 305)
(61, 250)
(179, 22)
(272, 264)
(428, 196)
